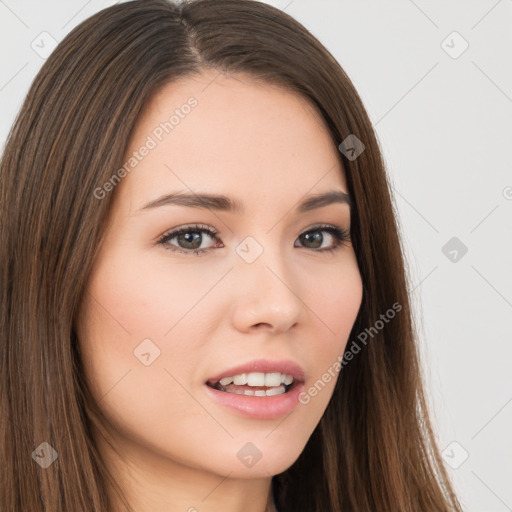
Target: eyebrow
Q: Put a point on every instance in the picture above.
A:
(221, 202)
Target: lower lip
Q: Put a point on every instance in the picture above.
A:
(259, 407)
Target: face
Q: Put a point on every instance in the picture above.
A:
(165, 311)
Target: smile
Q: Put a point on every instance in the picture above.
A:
(255, 384)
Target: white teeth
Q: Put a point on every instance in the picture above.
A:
(256, 379)
(271, 379)
(240, 380)
(275, 391)
(261, 392)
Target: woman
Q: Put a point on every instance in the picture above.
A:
(204, 303)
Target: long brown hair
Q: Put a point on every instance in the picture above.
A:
(374, 448)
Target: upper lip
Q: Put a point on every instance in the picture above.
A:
(265, 366)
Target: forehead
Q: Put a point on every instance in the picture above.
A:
(231, 132)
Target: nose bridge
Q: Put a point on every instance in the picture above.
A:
(268, 292)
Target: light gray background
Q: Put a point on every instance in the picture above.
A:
(444, 125)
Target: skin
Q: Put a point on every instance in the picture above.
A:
(268, 148)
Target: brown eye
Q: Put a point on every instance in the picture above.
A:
(188, 240)
(313, 239)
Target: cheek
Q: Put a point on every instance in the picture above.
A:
(335, 305)
(335, 296)
(149, 297)
(339, 304)
(129, 308)
(149, 403)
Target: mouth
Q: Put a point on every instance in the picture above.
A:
(262, 389)
(255, 384)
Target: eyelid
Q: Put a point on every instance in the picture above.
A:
(188, 227)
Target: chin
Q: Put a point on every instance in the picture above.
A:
(261, 460)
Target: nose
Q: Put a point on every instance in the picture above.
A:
(267, 294)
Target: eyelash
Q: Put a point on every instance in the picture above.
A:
(341, 236)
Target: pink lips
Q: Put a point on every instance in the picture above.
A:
(264, 366)
(260, 407)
